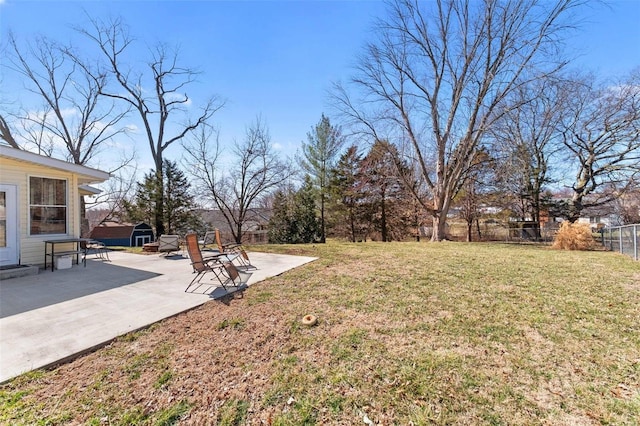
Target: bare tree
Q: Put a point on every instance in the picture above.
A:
(627, 206)
(602, 135)
(115, 192)
(476, 191)
(73, 114)
(527, 140)
(437, 75)
(74, 123)
(155, 92)
(237, 181)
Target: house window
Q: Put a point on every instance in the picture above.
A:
(47, 206)
(594, 219)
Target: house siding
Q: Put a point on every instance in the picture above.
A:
(17, 173)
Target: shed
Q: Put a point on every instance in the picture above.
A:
(123, 234)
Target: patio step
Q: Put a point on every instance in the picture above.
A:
(16, 271)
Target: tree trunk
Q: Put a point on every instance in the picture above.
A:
(323, 237)
(575, 208)
(440, 210)
(536, 210)
(239, 233)
(439, 228)
(159, 208)
(383, 221)
(352, 222)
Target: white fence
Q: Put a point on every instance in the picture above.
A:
(625, 239)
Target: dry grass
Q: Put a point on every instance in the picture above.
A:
(408, 333)
(574, 236)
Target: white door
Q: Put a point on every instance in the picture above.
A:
(8, 225)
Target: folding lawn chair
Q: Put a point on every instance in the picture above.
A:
(234, 251)
(208, 239)
(168, 244)
(95, 247)
(218, 266)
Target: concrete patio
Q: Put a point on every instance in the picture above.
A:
(53, 316)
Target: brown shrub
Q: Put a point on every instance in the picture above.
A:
(574, 236)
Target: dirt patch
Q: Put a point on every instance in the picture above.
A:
(214, 353)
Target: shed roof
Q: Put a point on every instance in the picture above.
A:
(112, 231)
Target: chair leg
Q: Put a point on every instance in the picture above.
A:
(218, 273)
(195, 280)
(220, 276)
(243, 260)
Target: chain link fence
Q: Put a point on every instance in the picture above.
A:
(624, 239)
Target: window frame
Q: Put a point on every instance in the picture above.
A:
(65, 206)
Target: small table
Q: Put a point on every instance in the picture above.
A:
(78, 250)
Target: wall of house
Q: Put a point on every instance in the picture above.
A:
(18, 173)
(596, 222)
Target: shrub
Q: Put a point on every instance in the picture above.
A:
(574, 236)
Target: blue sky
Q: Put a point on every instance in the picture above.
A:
(278, 59)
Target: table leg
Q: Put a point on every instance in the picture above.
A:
(53, 250)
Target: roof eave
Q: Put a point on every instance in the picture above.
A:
(86, 175)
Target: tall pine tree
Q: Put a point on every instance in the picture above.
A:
(178, 205)
(384, 193)
(306, 224)
(345, 201)
(280, 222)
(294, 219)
(320, 152)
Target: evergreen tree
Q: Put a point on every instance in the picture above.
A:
(306, 224)
(294, 218)
(344, 204)
(178, 201)
(279, 224)
(381, 182)
(142, 207)
(178, 214)
(319, 155)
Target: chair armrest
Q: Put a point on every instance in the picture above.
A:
(231, 245)
(214, 258)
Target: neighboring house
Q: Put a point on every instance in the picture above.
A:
(123, 234)
(39, 200)
(254, 230)
(600, 216)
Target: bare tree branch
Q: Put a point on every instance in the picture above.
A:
(155, 92)
(237, 183)
(435, 77)
(6, 135)
(601, 130)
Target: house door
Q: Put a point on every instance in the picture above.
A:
(8, 225)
